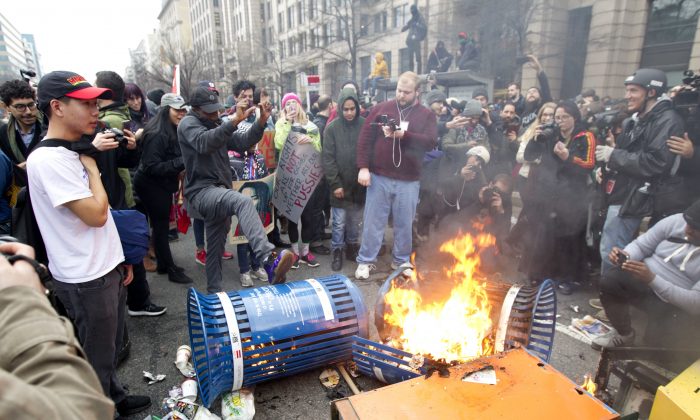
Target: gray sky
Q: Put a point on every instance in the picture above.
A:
(84, 36)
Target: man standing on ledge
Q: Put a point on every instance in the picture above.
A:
(390, 151)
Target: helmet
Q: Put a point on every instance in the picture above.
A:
(649, 79)
(472, 108)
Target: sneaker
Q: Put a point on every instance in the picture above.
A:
(601, 315)
(395, 266)
(363, 270)
(259, 274)
(613, 339)
(295, 263)
(310, 260)
(565, 288)
(227, 256)
(178, 276)
(201, 257)
(595, 303)
(247, 280)
(321, 249)
(133, 404)
(337, 263)
(150, 309)
(172, 236)
(277, 266)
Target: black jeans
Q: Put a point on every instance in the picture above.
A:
(97, 309)
(414, 50)
(667, 326)
(157, 201)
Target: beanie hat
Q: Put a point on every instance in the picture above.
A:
(479, 92)
(433, 96)
(472, 108)
(290, 96)
(481, 152)
(692, 215)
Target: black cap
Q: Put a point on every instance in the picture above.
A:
(205, 99)
(692, 215)
(58, 84)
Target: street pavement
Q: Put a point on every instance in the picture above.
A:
(156, 339)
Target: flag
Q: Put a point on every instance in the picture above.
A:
(176, 80)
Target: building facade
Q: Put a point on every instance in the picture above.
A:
(12, 54)
(31, 55)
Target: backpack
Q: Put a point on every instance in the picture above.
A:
(133, 233)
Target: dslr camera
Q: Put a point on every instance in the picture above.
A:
(489, 193)
(549, 132)
(384, 121)
(118, 136)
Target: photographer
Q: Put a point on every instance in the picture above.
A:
(658, 273)
(559, 209)
(503, 139)
(43, 371)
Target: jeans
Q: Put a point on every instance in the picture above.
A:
(617, 232)
(198, 228)
(414, 51)
(370, 84)
(97, 309)
(246, 258)
(385, 196)
(346, 226)
(217, 205)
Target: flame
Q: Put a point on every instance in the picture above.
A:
(457, 329)
(588, 384)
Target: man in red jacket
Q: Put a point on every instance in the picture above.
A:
(390, 150)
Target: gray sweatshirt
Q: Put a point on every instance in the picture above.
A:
(205, 148)
(676, 265)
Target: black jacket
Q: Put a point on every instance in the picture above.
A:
(161, 161)
(5, 142)
(641, 154)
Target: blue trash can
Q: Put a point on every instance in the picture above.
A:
(253, 335)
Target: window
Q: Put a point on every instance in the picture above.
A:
(300, 13)
(280, 21)
(312, 9)
(313, 38)
(262, 11)
(364, 25)
(217, 18)
(399, 16)
(404, 64)
(264, 37)
(341, 29)
(387, 60)
(215, 3)
(292, 46)
(281, 48)
(302, 43)
(365, 66)
(290, 17)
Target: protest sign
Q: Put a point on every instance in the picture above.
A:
(298, 173)
(260, 190)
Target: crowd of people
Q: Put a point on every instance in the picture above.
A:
(425, 164)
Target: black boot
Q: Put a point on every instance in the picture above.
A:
(351, 251)
(178, 276)
(337, 264)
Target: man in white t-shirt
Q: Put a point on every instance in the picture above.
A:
(82, 242)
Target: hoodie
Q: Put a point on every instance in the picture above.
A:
(340, 153)
(380, 67)
(675, 263)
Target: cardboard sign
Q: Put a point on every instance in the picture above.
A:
(267, 147)
(260, 190)
(298, 174)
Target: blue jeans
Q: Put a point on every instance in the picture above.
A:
(370, 83)
(617, 232)
(384, 196)
(246, 258)
(346, 226)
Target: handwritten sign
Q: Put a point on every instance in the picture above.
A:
(267, 147)
(260, 191)
(298, 174)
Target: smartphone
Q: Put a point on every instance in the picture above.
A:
(622, 258)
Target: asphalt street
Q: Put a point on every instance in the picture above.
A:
(156, 339)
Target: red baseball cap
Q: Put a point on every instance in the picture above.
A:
(58, 84)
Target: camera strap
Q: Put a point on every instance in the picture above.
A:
(393, 152)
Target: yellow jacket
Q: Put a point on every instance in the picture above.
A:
(380, 67)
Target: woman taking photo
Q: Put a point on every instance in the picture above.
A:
(558, 201)
(157, 180)
(293, 120)
(138, 110)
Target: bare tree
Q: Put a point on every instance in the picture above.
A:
(190, 62)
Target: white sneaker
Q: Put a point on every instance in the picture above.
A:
(613, 339)
(363, 270)
(259, 274)
(403, 265)
(246, 280)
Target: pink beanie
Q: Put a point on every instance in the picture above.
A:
(292, 96)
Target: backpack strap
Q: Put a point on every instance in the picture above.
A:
(55, 143)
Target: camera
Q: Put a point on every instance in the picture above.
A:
(549, 132)
(687, 103)
(489, 193)
(384, 121)
(621, 259)
(118, 136)
(298, 129)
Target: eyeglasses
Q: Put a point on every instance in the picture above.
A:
(23, 107)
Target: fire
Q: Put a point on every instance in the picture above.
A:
(588, 384)
(457, 329)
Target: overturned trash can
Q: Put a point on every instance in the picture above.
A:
(253, 335)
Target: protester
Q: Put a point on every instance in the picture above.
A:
(640, 156)
(23, 130)
(503, 139)
(340, 169)
(204, 140)
(439, 59)
(72, 211)
(379, 72)
(43, 368)
(389, 159)
(557, 221)
(545, 117)
(153, 100)
(157, 179)
(535, 97)
(417, 31)
(138, 108)
(322, 209)
(516, 98)
(294, 119)
(469, 54)
(658, 273)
